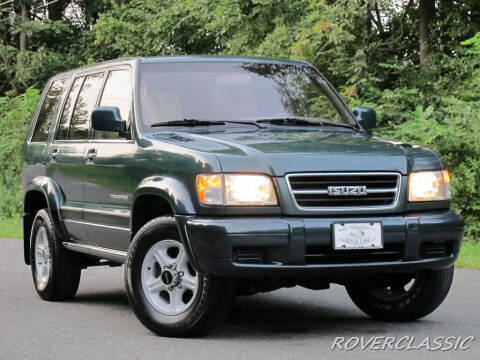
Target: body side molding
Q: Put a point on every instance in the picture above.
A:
(104, 253)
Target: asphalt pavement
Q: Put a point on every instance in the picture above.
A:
(286, 324)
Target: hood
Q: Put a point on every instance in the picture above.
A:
(286, 150)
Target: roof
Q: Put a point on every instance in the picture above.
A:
(186, 59)
(213, 58)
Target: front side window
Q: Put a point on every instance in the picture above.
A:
(235, 91)
(80, 122)
(47, 111)
(117, 93)
(62, 133)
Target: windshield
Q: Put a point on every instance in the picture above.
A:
(235, 92)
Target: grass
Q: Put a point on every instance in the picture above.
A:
(469, 255)
(11, 228)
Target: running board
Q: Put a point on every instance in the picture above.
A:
(103, 253)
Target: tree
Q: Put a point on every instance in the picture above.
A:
(38, 38)
(426, 12)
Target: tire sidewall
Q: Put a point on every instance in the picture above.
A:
(42, 219)
(430, 290)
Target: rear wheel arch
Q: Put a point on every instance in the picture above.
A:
(34, 201)
(41, 193)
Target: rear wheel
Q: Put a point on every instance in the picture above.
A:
(55, 271)
(402, 297)
(169, 296)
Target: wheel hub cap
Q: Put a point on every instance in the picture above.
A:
(171, 277)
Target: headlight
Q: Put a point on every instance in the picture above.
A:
(429, 186)
(236, 190)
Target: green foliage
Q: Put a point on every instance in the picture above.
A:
(15, 113)
(157, 28)
(448, 121)
(367, 49)
(474, 42)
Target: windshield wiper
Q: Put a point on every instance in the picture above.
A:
(188, 122)
(288, 121)
(243, 122)
(335, 124)
(300, 121)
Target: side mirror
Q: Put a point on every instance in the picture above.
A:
(107, 118)
(367, 117)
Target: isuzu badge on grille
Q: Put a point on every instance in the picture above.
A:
(355, 190)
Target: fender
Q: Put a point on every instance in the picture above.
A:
(54, 199)
(179, 199)
(172, 190)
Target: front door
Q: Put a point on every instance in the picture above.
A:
(108, 185)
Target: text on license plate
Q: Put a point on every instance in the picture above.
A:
(351, 236)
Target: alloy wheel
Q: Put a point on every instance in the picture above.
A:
(169, 282)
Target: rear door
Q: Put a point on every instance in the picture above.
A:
(37, 151)
(68, 150)
(108, 185)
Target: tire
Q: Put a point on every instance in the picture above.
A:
(55, 271)
(164, 307)
(387, 298)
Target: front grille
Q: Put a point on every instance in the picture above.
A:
(322, 254)
(311, 191)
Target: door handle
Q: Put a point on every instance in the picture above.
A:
(91, 155)
(55, 154)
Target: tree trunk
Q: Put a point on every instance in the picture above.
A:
(23, 35)
(426, 11)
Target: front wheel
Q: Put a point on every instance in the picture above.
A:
(168, 295)
(402, 297)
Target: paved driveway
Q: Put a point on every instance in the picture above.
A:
(286, 324)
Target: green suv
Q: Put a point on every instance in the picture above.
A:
(211, 177)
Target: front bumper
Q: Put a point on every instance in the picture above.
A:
(302, 247)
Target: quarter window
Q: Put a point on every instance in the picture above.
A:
(80, 123)
(47, 111)
(62, 133)
(117, 93)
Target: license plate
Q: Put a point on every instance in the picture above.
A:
(355, 236)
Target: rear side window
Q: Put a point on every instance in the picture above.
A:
(47, 111)
(80, 122)
(117, 93)
(62, 133)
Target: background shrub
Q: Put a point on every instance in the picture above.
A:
(15, 114)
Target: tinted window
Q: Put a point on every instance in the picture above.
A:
(62, 133)
(80, 123)
(48, 110)
(117, 93)
(234, 91)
